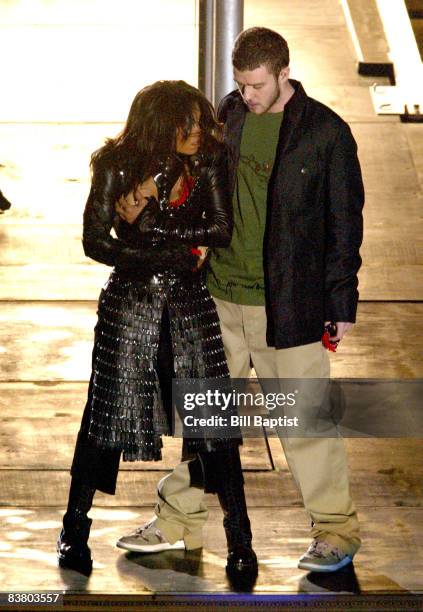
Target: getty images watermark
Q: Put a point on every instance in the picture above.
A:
(227, 401)
(223, 408)
(226, 408)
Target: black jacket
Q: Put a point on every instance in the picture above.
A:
(204, 219)
(314, 218)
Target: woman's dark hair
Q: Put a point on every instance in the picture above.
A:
(156, 112)
(260, 46)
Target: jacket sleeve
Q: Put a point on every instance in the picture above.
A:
(227, 104)
(222, 110)
(344, 228)
(214, 229)
(99, 213)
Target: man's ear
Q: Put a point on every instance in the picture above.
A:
(284, 73)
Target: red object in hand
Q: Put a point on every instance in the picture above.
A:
(327, 343)
(330, 332)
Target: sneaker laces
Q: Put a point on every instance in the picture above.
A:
(145, 526)
(321, 549)
(157, 533)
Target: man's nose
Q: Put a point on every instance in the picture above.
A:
(247, 93)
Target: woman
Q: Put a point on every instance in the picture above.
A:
(156, 319)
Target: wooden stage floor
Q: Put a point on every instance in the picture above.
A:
(48, 293)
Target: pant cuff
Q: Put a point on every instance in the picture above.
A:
(171, 531)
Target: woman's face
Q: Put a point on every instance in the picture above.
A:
(189, 145)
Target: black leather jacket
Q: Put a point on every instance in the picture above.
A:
(204, 219)
(314, 220)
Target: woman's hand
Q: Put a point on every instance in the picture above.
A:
(130, 206)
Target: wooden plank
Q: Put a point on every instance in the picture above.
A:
(383, 145)
(64, 149)
(386, 161)
(46, 443)
(352, 102)
(53, 342)
(24, 244)
(52, 282)
(377, 485)
(392, 249)
(21, 244)
(28, 546)
(402, 282)
(46, 341)
(385, 343)
(392, 216)
(134, 488)
(42, 400)
(385, 456)
(387, 273)
(313, 13)
(39, 423)
(369, 30)
(415, 143)
(26, 402)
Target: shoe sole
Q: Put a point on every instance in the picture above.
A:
(73, 564)
(151, 548)
(315, 567)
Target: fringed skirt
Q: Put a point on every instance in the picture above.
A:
(127, 407)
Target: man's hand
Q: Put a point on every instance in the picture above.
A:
(130, 206)
(202, 257)
(342, 327)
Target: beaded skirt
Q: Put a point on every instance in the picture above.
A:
(125, 404)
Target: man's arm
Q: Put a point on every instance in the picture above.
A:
(344, 231)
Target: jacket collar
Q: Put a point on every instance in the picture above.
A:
(292, 116)
(289, 131)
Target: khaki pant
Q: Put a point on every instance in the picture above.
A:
(318, 465)
(181, 512)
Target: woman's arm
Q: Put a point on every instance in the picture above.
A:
(98, 217)
(214, 230)
(101, 246)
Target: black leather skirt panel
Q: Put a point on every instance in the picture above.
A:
(147, 333)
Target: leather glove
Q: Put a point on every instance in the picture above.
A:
(150, 218)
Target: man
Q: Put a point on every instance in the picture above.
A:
(291, 268)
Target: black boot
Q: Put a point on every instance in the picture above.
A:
(242, 568)
(72, 549)
(223, 474)
(72, 546)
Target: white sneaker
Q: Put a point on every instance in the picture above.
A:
(323, 557)
(148, 539)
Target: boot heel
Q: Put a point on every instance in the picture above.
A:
(72, 548)
(83, 565)
(193, 539)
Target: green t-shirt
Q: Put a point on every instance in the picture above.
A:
(237, 271)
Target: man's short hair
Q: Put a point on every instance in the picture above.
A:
(257, 46)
